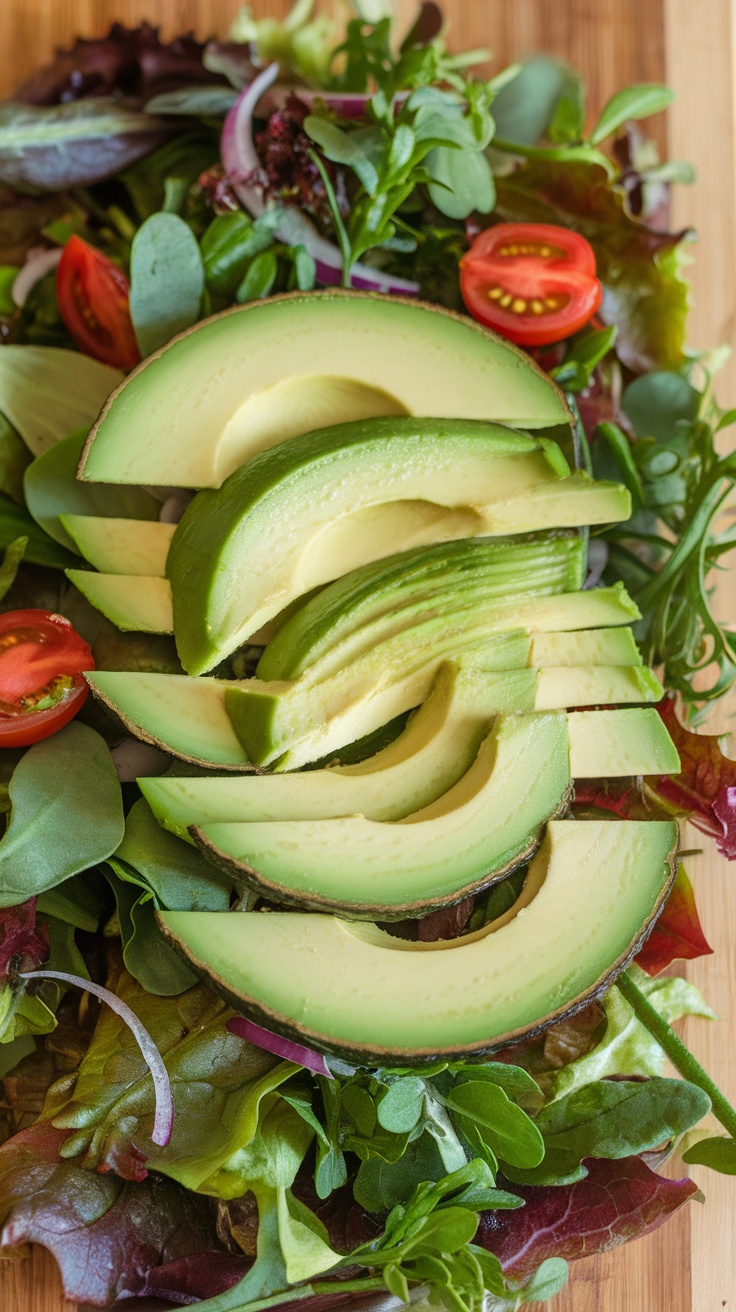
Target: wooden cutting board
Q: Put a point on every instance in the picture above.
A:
(689, 1265)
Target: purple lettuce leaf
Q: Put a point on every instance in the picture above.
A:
(111, 1238)
(617, 1201)
(23, 943)
(127, 61)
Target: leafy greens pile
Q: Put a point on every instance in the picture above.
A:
(279, 1184)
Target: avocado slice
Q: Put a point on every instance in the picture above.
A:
(121, 546)
(187, 717)
(471, 836)
(242, 553)
(130, 601)
(434, 751)
(293, 722)
(592, 894)
(276, 368)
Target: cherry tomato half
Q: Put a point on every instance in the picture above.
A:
(93, 293)
(41, 685)
(534, 283)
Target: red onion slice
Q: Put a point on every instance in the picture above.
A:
(241, 160)
(37, 265)
(163, 1122)
(252, 1033)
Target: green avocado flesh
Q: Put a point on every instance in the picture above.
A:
(293, 722)
(295, 516)
(355, 613)
(434, 751)
(478, 831)
(187, 717)
(591, 895)
(260, 374)
(132, 602)
(121, 546)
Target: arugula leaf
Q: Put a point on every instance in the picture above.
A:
(228, 245)
(47, 392)
(67, 813)
(401, 1106)
(381, 1184)
(166, 281)
(611, 1119)
(53, 489)
(146, 953)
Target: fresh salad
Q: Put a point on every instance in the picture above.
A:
(360, 510)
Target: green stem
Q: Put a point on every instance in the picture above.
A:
(680, 1056)
(346, 251)
(346, 1286)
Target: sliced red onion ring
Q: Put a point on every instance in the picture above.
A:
(252, 1033)
(163, 1122)
(37, 265)
(241, 160)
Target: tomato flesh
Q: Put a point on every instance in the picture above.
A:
(93, 293)
(41, 683)
(534, 283)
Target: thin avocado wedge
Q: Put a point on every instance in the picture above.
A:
(187, 717)
(293, 722)
(277, 368)
(434, 751)
(134, 547)
(130, 601)
(476, 833)
(591, 896)
(303, 513)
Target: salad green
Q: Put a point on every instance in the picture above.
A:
(165, 184)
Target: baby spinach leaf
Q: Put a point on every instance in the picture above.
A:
(14, 457)
(548, 1280)
(658, 402)
(175, 874)
(524, 108)
(401, 1106)
(55, 147)
(718, 1152)
(75, 901)
(632, 102)
(166, 281)
(611, 1119)
(39, 549)
(462, 181)
(12, 558)
(259, 278)
(380, 1184)
(53, 489)
(483, 1109)
(184, 158)
(146, 953)
(67, 813)
(47, 392)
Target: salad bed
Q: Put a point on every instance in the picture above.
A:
(354, 1178)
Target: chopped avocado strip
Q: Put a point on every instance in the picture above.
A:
(474, 834)
(296, 721)
(130, 601)
(356, 612)
(262, 370)
(121, 546)
(187, 717)
(242, 553)
(591, 895)
(433, 752)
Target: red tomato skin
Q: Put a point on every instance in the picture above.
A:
(92, 294)
(37, 646)
(566, 272)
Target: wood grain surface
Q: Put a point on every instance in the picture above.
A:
(690, 1264)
